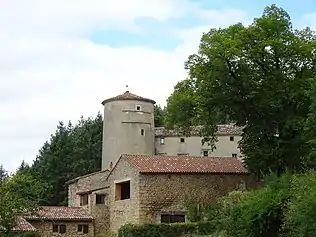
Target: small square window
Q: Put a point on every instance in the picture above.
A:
(231, 139)
(100, 199)
(234, 155)
(83, 229)
(142, 132)
(138, 107)
(182, 139)
(123, 190)
(162, 141)
(84, 199)
(205, 153)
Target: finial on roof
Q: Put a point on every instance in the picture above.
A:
(127, 88)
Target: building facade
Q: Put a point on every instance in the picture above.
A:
(146, 174)
(129, 129)
(135, 189)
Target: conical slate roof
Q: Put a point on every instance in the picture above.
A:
(128, 96)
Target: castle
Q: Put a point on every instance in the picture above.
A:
(146, 174)
(129, 129)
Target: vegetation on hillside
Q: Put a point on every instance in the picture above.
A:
(260, 76)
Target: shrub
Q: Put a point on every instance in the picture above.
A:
(300, 215)
(259, 212)
(165, 230)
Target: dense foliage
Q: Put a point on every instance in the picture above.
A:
(19, 195)
(165, 230)
(71, 152)
(285, 207)
(258, 76)
(3, 173)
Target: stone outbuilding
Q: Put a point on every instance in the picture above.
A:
(60, 221)
(152, 189)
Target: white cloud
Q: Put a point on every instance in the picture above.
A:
(51, 71)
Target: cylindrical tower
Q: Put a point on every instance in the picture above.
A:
(128, 127)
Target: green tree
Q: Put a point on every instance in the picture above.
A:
(258, 76)
(23, 168)
(3, 173)
(19, 195)
(159, 114)
(71, 152)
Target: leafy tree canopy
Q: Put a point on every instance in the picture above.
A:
(259, 76)
(19, 195)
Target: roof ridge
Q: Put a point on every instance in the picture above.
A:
(128, 96)
(185, 164)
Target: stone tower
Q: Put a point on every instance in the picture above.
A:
(128, 127)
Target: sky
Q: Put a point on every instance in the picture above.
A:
(59, 59)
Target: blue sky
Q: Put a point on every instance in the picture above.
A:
(59, 59)
(156, 33)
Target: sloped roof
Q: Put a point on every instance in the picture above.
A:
(60, 213)
(128, 96)
(185, 164)
(23, 225)
(222, 129)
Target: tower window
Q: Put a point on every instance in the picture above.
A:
(234, 155)
(205, 153)
(138, 107)
(182, 139)
(162, 141)
(231, 139)
(142, 132)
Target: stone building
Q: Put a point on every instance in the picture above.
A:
(129, 129)
(58, 221)
(140, 162)
(148, 172)
(135, 189)
(169, 142)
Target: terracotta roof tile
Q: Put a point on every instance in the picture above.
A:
(128, 96)
(22, 225)
(185, 164)
(222, 129)
(60, 213)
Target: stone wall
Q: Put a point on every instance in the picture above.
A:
(100, 212)
(123, 211)
(45, 228)
(166, 192)
(84, 184)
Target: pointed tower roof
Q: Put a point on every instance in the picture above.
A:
(128, 96)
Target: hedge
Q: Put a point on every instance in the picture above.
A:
(166, 230)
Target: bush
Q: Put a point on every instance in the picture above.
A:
(166, 230)
(257, 212)
(301, 212)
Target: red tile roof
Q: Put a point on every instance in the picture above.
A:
(222, 129)
(185, 164)
(23, 225)
(60, 213)
(128, 96)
